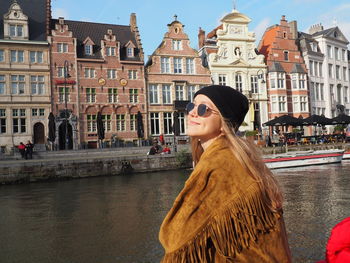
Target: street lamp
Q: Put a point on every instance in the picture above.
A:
(66, 75)
(260, 74)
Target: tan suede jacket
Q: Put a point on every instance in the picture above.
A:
(219, 216)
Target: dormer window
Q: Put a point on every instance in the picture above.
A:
(177, 45)
(15, 23)
(129, 52)
(16, 31)
(88, 50)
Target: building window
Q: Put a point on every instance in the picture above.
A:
(320, 69)
(132, 74)
(254, 84)
(165, 65)
(2, 55)
(189, 66)
(303, 104)
(337, 72)
(17, 84)
(166, 93)
(222, 79)
(153, 94)
(302, 81)
(133, 122)
(274, 103)
(17, 56)
(311, 66)
(2, 84)
(2, 120)
(178, 65)
(280, 81)
(88, 50)
(343, 55)
(112, 95)
(336, 53)
(129, 52)
(60, 72)
(273, 77)
(111, 73)
(38, 112)
(179, 92)
(344, 74)
(90, 95)
(133, 95)
(36, 57)
(154, 118)
(62, 47)
(296, 107)
(89, 73)
(239, 83)
(329, 51)
(106, 120)
(63, 94)
(167, 123)
(177, 45)
(191, 90)
(317, 91)
(182, 122)
(19, 120)
(120, 122)
(281, 103)
(110, 51)
(91, 123)
(294, 81)
(37, 84)
(346, 94)
(16, 31)
(286, 55)
(330, 70)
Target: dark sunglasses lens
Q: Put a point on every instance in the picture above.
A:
(189, 107)
(202, 109)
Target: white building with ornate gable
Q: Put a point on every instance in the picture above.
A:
(229, 52)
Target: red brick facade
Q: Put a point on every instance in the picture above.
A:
(287, 82)
(106, 75)
(173, 73)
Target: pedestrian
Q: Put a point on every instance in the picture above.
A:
(29, 150)
(338, 245)
(166, 149)
(230, 209)
(161, 139)
(22, 148)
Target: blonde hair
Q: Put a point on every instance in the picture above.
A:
(249, 157)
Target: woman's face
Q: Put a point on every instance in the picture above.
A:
(204, 127)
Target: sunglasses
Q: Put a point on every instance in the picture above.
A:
(202, 109)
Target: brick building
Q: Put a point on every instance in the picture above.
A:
(174, 72)
(287, 82)
(24, 72)
(105, 73)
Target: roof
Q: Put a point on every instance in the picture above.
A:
(297, 68)
(96, 32)
(36, 12)
(276, 67)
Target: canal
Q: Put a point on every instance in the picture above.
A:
(116, 219)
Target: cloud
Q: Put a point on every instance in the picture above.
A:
(60, 12)
(261, 27)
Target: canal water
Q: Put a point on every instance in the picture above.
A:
(116, 219)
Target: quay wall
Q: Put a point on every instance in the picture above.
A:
(52, 169)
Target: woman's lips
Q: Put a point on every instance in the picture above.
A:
(193, 123)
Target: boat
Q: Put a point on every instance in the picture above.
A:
(346, 155)
(303, 158)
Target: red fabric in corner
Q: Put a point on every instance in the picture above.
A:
(338, 246)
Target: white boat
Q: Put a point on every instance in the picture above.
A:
(303, 158)
(346, 155)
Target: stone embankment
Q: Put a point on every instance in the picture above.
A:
(62, 165)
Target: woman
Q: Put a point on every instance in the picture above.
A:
(230, 208)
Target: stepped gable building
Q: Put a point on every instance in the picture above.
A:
(105, 73)
(325, 53)
(24, 72)
(174, 72)
(229, 52)
(287, 81)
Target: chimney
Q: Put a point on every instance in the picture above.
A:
(61, 20)
(201, 38)
(315, 28)
(283, 21)
(293, 25)
(133, 23)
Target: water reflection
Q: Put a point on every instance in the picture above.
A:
(117, 219)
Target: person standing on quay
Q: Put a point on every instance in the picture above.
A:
(29, 150)
(22, 149)
(230, 209)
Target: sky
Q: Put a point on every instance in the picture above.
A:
(154, 15)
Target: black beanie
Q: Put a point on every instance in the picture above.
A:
(232, 104)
